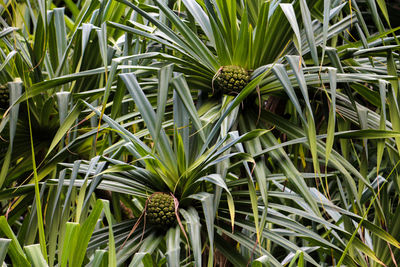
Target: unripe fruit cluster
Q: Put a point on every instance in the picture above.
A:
(232, 79)
(160, 210)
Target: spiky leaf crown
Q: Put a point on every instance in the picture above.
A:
(160, 210)
(232, 79)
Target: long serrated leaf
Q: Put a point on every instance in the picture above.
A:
(99, 258)
(305, 13)
(218, 181)
(172, 240)
(149, 244)
(35, 256)
(125, 134)
(192, 220)
(85, 232)
(70, 239)
(382, 125)
(149, 116)
(17, 255)
(164, 77)
(332, 116)
(201, 18)
(65, 126)
(281, 73)
(7, 59)
(206, 200)
(112, 261)
(288, 10)
(184, 92)
(295, 64)
(4, 244)
(327, 7)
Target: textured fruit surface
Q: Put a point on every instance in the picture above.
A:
(4, 97)
(232, 79)
(161, 210)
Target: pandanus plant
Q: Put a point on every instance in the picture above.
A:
(208, 194)
(240, 194)
(236, 38)
(176, 183)
(308, 76)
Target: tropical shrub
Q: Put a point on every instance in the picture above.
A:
(266, 131)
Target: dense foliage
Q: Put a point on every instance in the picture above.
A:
(199, 133)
